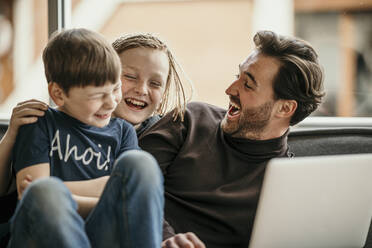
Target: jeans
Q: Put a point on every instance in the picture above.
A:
(128, 214)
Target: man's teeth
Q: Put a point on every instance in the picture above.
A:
(234, 109)
(135, 102)
(235, 106)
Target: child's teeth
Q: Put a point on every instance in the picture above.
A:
(136, 102)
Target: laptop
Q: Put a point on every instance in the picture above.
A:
(323, 201)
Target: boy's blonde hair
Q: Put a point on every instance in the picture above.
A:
(174, 96)
(80, 57)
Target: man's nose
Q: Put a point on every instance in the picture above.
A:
(233, 88)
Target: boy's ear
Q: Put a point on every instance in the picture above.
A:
(286, 108)
(56, 93)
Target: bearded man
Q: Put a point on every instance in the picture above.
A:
(214, 161)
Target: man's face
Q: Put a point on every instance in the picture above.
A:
(251, 97)
(92, 105)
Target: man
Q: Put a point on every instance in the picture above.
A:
(214, 161)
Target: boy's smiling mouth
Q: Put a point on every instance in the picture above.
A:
(103, 116)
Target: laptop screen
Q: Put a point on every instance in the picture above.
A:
(323, 201)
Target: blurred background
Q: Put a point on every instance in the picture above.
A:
(208, 37)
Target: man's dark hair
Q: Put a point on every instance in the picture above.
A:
(300, 77)
(80, 57)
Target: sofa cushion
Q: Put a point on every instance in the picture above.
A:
(330, 141)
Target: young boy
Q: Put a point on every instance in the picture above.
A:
(78, 143)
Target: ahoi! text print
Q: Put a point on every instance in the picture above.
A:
(86, 157)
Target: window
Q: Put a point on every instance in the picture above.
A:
(209, 39)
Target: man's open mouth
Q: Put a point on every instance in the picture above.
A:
(234, 109)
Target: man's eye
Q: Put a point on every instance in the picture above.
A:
(237, 76)
(246, 85)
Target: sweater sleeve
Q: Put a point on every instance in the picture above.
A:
(164, 140)
(168, 230)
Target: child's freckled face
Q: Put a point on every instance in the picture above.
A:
(92, 105)
(144, 76)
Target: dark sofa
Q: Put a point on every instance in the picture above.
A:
(330, 141)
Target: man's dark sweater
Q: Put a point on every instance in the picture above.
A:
(212, 181)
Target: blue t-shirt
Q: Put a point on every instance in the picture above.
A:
(74, 150)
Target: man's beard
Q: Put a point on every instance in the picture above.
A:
(251, 122)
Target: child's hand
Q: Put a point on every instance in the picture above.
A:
(25, 113)
(24, 184)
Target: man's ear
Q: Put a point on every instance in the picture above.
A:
(57, 94)
(286, 108)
